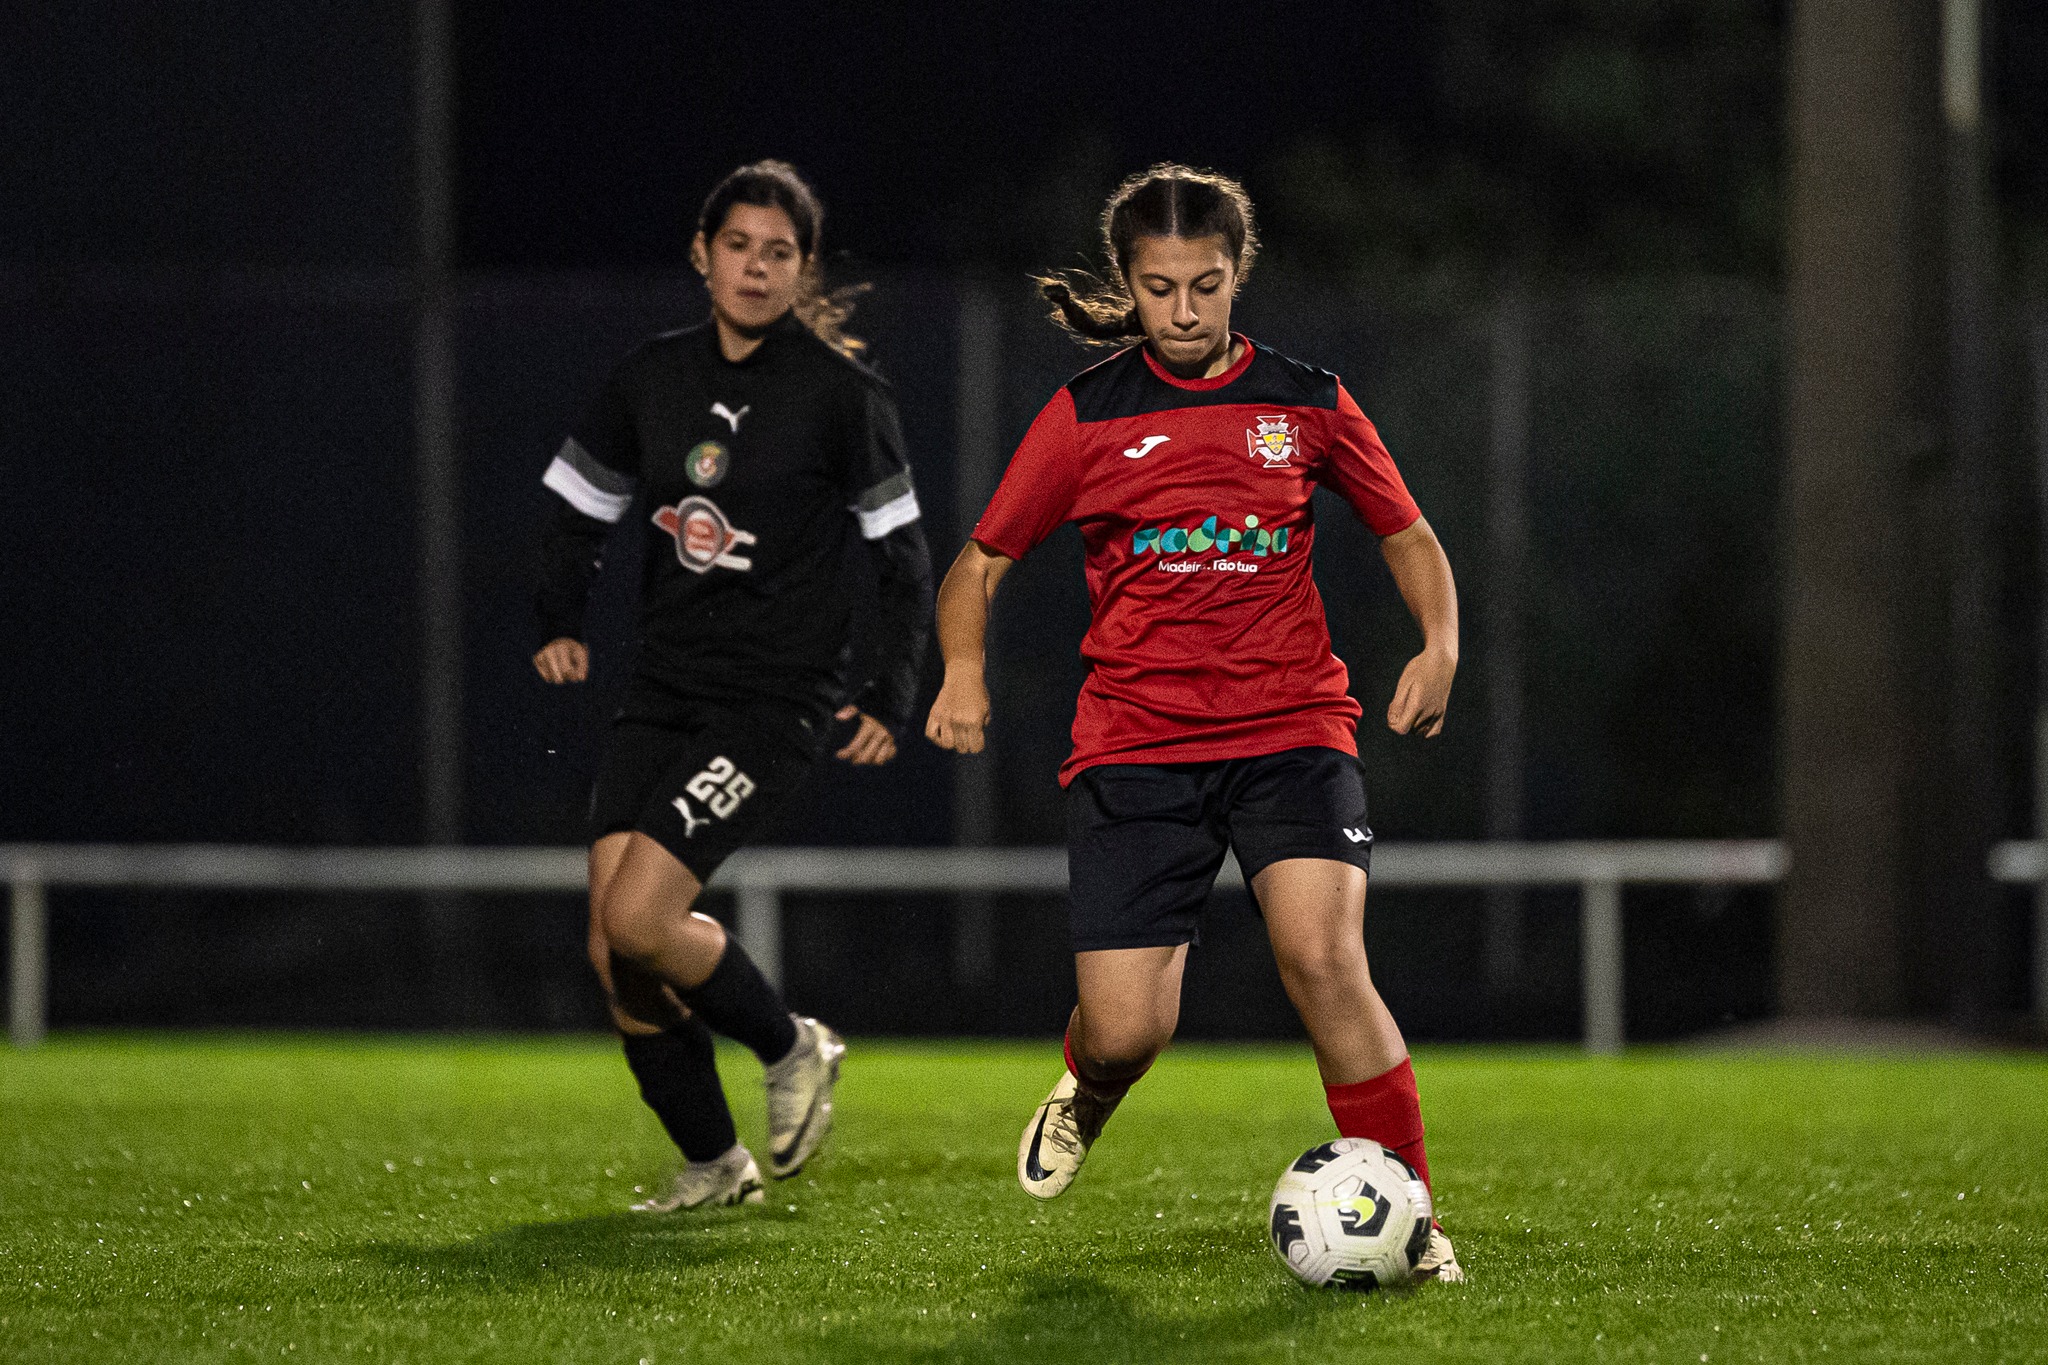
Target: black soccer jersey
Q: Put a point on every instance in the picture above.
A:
(755, 478)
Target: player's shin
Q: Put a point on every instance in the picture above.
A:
(737, 1001)
(678, 1074)
(1386, 1109)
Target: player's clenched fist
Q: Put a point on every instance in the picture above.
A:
(959, 718)
(563, 661)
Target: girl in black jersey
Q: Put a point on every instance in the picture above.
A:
(759, 449)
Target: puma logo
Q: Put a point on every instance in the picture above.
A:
(733, 418)
(1144, 447)
(690, 822)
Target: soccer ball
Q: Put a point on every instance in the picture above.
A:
(1350, 1215)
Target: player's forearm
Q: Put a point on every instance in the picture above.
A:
(963, 610)
(1422, 572)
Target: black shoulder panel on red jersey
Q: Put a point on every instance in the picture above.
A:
(1125, 386)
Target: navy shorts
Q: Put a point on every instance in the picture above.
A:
(702, 782)
(1145, 840)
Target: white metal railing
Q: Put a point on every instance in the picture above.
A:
(2023, 862)
(760, 877)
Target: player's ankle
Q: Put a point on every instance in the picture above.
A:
(1103, 1094)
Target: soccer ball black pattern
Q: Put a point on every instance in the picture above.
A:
(1350, 1215)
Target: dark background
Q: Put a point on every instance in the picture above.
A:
(209, 537)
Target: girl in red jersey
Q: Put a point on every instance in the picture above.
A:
(1215, 715)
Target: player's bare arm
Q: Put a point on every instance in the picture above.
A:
(1423, 574)
(959, 717)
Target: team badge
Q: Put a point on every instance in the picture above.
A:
(1271, 440)
(705, 537)
(707, 463)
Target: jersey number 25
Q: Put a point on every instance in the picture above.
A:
(721, 787)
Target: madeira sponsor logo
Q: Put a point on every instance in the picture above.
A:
(1254, 540)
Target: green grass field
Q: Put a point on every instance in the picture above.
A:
(433, 1200)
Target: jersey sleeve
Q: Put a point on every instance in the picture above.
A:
(598, 467)
(1356, 466)
(876, 477)
(1037, 491)
(594, 474)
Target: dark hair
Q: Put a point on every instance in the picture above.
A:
(773, 184)
(1166, 201)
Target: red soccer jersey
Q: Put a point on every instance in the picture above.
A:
(1208, 639)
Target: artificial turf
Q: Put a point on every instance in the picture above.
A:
(177, 1199)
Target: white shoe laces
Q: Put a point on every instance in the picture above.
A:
(1068, 1130)
(1063, 1128)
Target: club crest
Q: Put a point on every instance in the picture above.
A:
(705, 538)
(707, 464)
(1271, 440)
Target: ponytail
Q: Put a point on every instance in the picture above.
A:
(1091, 309)
(826, 311)
(1166, 201)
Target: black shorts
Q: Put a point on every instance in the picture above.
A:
(1145, 840)
(701, 781)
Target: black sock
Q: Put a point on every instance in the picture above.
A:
(738, 1001)
(678, 1074)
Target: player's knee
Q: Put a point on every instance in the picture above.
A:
(629, 1025)
(1321, 968)
(1123, 1048)
(639, 1001)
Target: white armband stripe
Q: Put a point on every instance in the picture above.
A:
(890, 515)
(583, 495)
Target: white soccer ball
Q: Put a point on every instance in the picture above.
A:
(1350, 1214)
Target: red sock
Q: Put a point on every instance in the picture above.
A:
(1101, 1090)
(1385, 1109)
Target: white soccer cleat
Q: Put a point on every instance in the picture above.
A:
(800, 1097)
(1439, 1261)
(729, 1179)
(1057, 1139)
